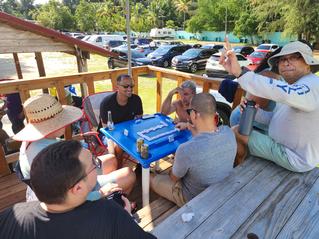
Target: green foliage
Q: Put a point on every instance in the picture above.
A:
(85, 16)
(170, 24)
(55, 15)
(246, 26)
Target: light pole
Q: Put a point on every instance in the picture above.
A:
(128, 39)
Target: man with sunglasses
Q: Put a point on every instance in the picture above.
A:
(205, 159)
(292, 140)
(123, 104)
(62, 175)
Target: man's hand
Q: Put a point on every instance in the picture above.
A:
(229, 60)
(177, 90)
(109, 189)
(127, 206)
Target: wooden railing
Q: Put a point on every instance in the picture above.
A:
(87, 80)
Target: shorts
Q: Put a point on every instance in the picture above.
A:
(165, 187)
(263, 146)
(103, 180)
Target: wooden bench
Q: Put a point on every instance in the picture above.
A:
(258, 198)
(12, 191)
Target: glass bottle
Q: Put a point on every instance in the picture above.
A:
(110, 123)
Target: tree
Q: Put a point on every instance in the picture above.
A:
(246, 26)
(183, 7)
(85, 16)
(55, 15)
(170, 24)
(26, 8)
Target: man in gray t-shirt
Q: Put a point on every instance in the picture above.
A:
(207, 158)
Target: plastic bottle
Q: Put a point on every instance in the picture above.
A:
(247, 118)
(110, 123)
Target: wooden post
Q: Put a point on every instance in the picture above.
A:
(135, 81)
(237, 98)
(4, 168)
(159, 81)
(17, 64)
(41, 69)
(63, 101)
(82, 67)
(180, 80)
(206, 86)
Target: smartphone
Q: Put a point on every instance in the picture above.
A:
(117, 197)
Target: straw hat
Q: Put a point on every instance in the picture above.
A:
(294, 47)
(46, 115)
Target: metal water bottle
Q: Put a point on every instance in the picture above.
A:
(110, 123)
(247, 118)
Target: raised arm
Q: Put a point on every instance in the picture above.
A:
(168, 107)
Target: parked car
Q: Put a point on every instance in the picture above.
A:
(101, 40)
(113, 43)
(163, 55)
(267, 47)
(257, 56)
(244, 50)
(218, 47)
(214, 69)
(145, 49)
(142, 41)
(158, 43)
(121, 59)
(193, 59)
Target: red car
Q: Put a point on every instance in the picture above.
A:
(257, 56)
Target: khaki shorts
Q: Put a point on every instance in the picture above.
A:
(165, 187)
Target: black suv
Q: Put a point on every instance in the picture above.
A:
(244, 50)
(192, 59)
(163, 55)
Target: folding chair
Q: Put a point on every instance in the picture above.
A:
(91, 122)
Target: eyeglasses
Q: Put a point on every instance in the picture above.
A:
(190, 110)
(290, 58)
(127, 86)
(97, 163)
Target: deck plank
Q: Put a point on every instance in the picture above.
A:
(304, 223)
(271, 216)
(241, 205)
(12, 191)
(154, 210)
(211, 199)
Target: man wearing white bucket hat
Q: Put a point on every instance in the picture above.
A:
(47, 121)
(292, 141)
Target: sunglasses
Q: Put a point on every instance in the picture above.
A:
(190, 110)
(127, 86)
(97, 163)
(290, 59)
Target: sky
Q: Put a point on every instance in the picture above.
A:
(40, 1)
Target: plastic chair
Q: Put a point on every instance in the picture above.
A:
(91, 122)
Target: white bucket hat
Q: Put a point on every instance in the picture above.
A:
(297, 47)
(45, 115)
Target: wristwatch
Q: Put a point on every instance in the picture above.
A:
(244, 70)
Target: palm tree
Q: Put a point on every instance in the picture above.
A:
(183, 6)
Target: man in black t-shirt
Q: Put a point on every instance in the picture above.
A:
(62, 175)
(123, 104)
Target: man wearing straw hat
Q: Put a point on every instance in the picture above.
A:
(292, 141)
(47, 121)
(62, 176)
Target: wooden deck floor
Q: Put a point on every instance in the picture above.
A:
(12, 191)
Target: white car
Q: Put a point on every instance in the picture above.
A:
(214, 69)
(101, 40)
(267, 47)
